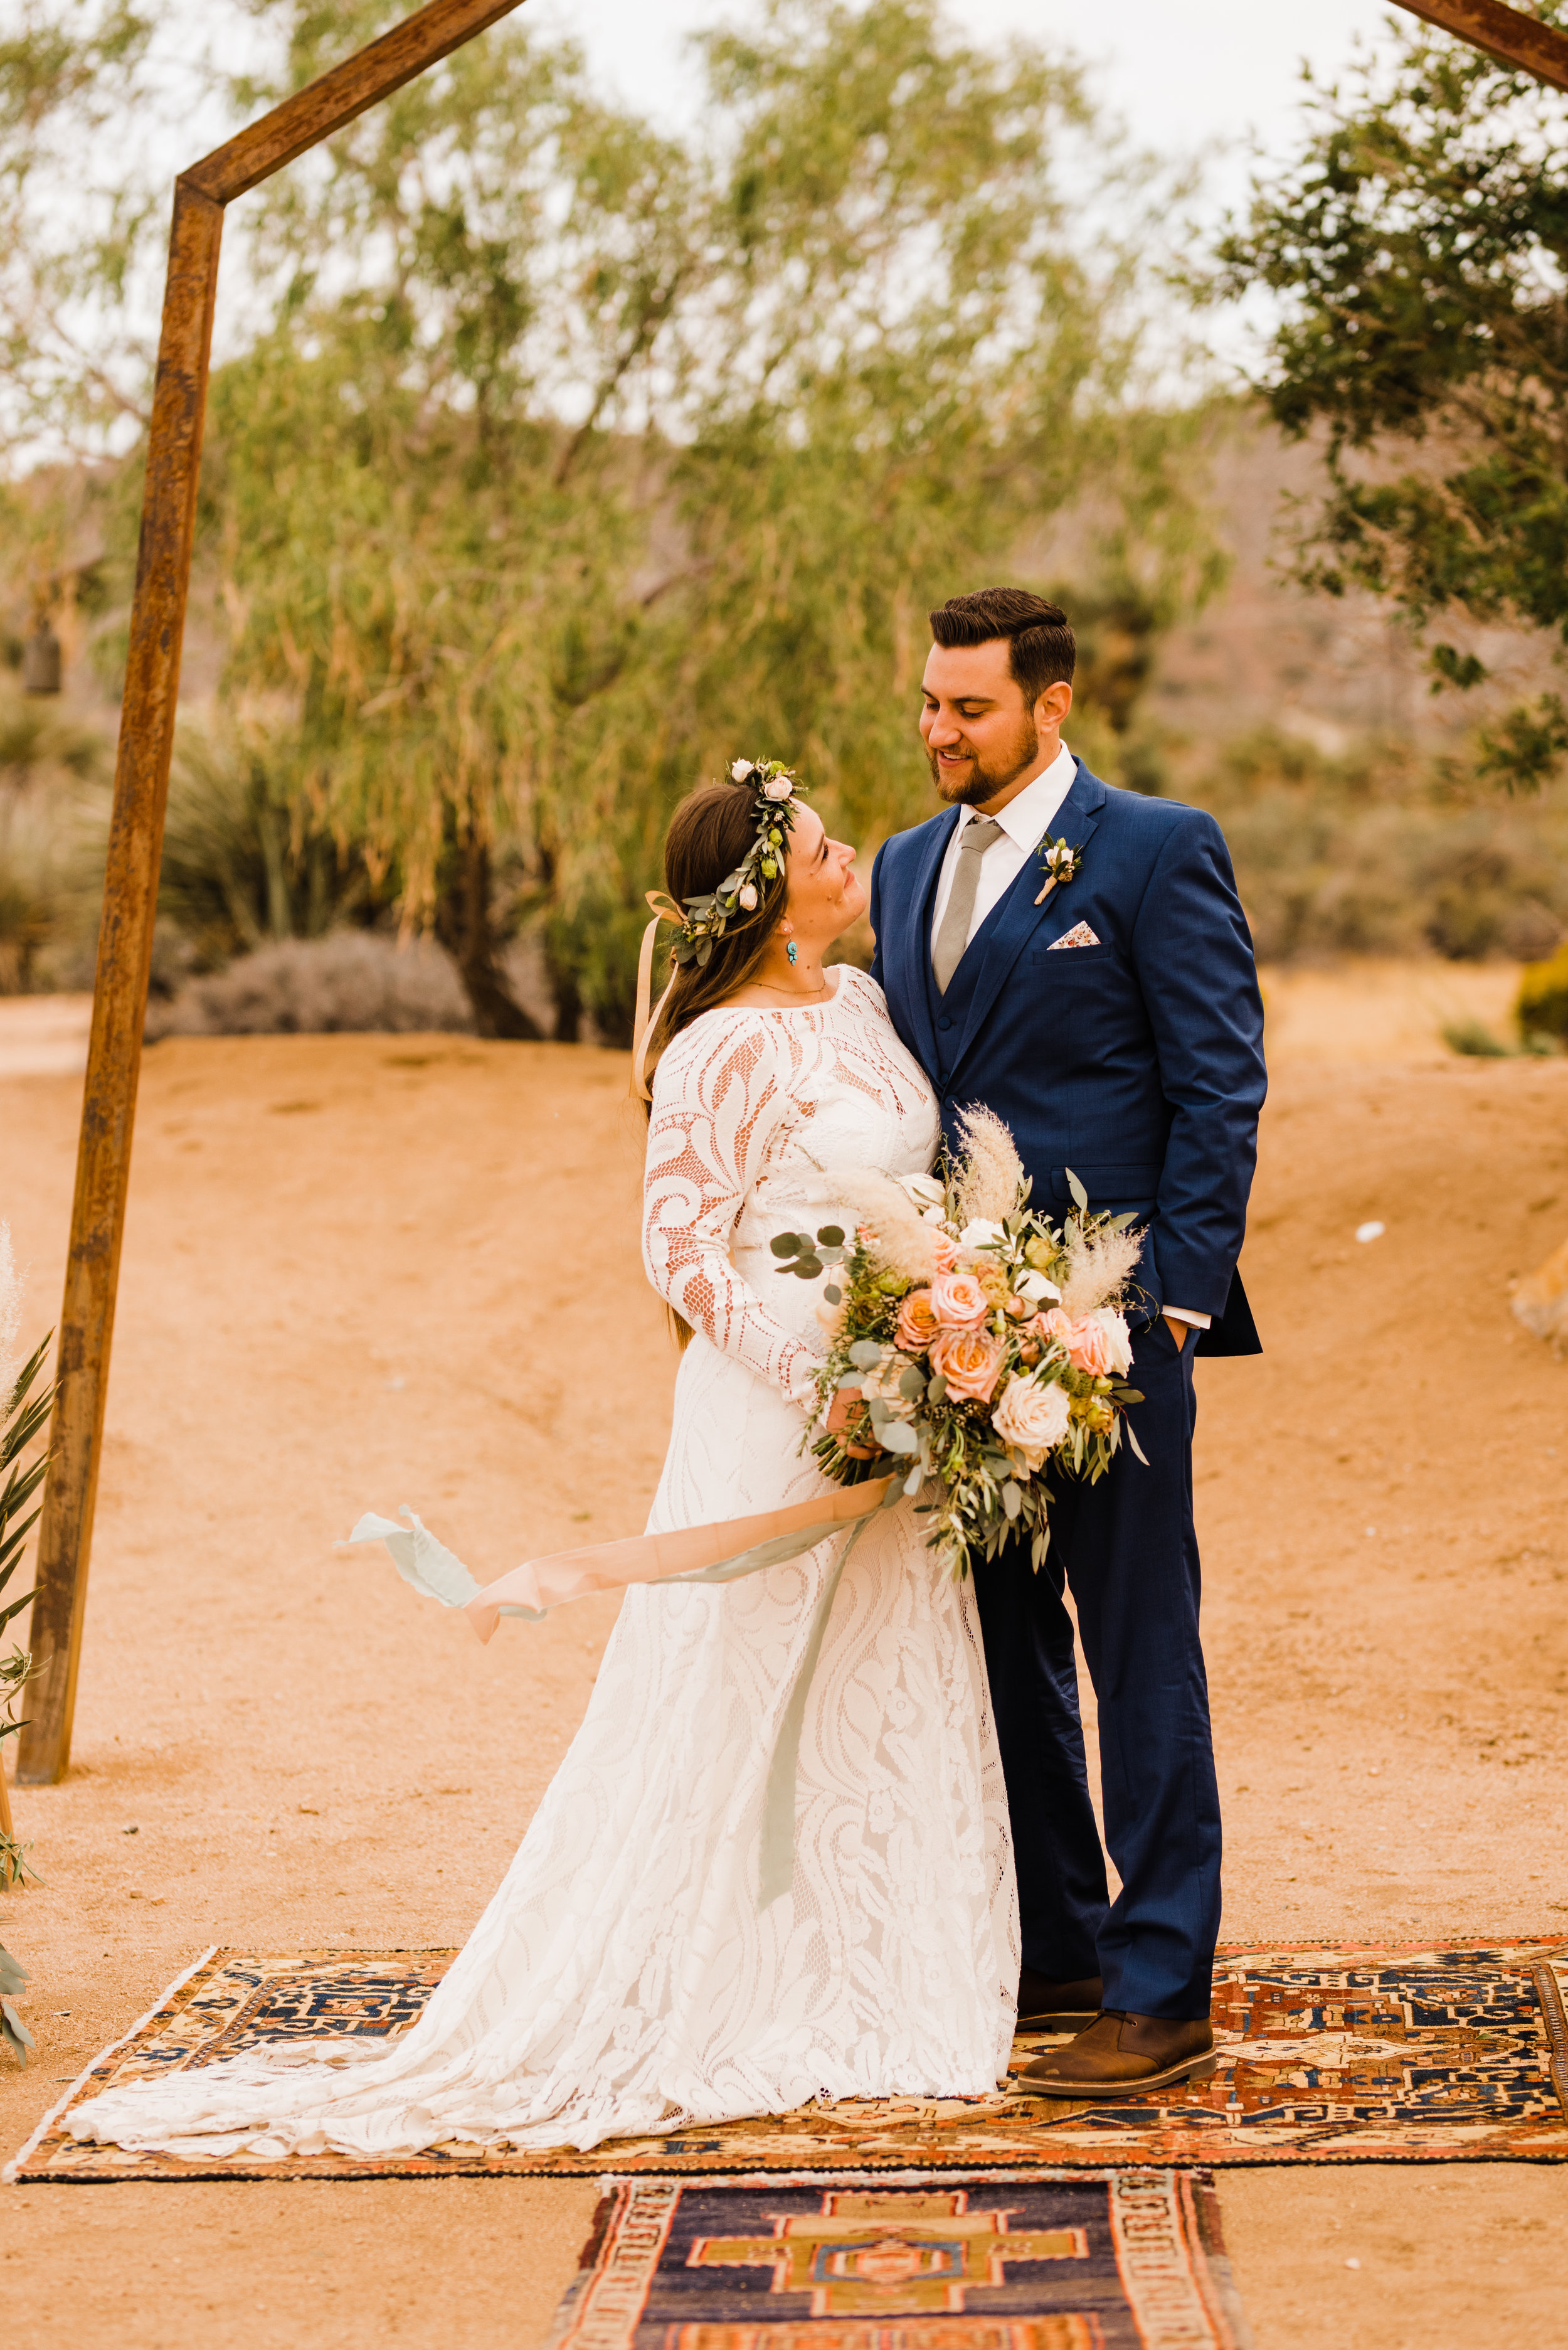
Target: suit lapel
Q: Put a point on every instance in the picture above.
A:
(915, 939)
(1018, 917)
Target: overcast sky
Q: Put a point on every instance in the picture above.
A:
(1184, 75)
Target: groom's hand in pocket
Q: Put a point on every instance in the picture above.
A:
(845, 1412)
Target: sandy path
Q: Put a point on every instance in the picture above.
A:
(364, 1270)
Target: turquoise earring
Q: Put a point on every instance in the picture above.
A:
(794, 953)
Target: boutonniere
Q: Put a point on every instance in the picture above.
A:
(1061, 861)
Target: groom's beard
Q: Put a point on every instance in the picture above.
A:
(983, 782)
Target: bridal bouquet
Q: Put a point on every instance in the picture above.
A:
(976, 1343)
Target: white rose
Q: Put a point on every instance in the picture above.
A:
(749, 896)
(1031, 1417)
(1034, 1286)
(740, 771)
(924, 1189)
(778, 787)
(981, 1234)
(884, 1382)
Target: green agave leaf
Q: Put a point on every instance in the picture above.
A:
(13, 1608)
(13, 2030)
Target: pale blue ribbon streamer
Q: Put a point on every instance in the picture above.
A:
(438, 1574)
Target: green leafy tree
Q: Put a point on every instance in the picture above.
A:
(1418, 248)
(565, 460)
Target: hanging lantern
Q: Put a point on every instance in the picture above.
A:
(41, 660)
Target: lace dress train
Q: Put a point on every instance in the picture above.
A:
(625, 1979)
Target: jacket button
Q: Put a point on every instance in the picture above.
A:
(944, 1021)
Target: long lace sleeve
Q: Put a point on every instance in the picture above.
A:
(721, 1101)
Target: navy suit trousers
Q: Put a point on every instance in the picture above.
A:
(1128, 1551)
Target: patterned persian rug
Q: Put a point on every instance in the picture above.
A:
(1326, 2052)
(1045, 2261)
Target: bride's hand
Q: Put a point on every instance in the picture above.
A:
(844, 1413)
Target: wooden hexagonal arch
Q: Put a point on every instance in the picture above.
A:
(146, 741)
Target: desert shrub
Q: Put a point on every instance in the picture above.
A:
(1542, 1008)
(244, 863)
(1383, 852)
(349, 981)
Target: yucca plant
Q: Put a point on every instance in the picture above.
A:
(24, 1415)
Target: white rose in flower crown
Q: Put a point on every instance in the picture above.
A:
(981, 1234)
(749, 896)
(778, 787)
(1031, 1418)
(740, 771)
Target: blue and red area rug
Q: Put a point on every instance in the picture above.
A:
(1041, 2261)
(1326, 2053)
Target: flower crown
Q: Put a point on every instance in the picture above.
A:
(706, 918)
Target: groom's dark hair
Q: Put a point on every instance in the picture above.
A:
(1040, 647)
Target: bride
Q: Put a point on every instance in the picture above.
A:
(628, 1977)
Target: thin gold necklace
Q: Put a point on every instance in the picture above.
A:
(772, 988)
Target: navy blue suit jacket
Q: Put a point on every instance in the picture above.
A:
(1137, 1063)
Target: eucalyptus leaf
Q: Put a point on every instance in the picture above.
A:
(911, 1383)
(865, 1353)
(912, 1482)
(833, 1293)
(832, 1235)
(938, 1390)
(787, 1245)
(898, 1437)
(808, 1267)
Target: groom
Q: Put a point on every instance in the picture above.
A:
(1114, 1024)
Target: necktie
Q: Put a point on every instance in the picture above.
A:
(953, 935)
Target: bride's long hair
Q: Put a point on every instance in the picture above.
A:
(708, 834)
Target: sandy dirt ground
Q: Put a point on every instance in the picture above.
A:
(361, 1271)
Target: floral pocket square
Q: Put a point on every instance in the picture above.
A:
(1080, 935)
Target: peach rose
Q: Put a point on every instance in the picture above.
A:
(945, 1250)
(1032, 1417)
(918, 1325)
(958, 1301)
(1100, 1342)
(1055, 1328)
(969, 1361)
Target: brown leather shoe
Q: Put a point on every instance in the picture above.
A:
(1045, 2006)
(1121, 2055)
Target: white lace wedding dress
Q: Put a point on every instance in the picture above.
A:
(625, 1979)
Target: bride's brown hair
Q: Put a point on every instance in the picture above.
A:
(709, 835)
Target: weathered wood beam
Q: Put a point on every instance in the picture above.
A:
(136, 833)
(1507, 34)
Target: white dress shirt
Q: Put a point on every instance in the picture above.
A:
(1024, 822)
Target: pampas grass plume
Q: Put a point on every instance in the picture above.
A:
(905, 1243)
(1098, 1270)
(992, 1171)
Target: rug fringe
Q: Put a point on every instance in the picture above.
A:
(8, 2176)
